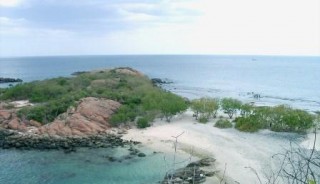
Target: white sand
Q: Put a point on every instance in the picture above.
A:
(236, 150)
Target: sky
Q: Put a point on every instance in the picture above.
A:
(102, 27)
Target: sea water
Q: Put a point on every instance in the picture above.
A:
(277, 79)
(83, 166)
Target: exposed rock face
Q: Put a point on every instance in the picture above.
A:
(16, 124)
(9, 120)
(87, 125)
(91, 117)
(4, 115)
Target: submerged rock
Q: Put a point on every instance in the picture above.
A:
(141, 155)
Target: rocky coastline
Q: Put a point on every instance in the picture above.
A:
(9, 80)
(14, 139)
(86, 125)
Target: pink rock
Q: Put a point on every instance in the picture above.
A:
(15, 124)
(5, 115)
(34, 123)
(90, 117)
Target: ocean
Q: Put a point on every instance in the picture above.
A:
(278, 80)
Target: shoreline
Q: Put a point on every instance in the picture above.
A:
(239, 154)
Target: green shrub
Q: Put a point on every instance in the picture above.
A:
(248, 124)
(203, 119)
(142, 123)
(223, 123)
(38, 113)
(117, 119)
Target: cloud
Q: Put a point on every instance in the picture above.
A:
(5, 21)
(162, 27)
(10, 3)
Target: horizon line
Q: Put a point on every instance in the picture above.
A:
(76, 55)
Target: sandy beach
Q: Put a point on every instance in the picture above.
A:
(240, 154)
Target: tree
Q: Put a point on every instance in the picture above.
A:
(212, 106)
(230, 106)
(171, 104)
(280, 118)
(196, 107)
(205, 108)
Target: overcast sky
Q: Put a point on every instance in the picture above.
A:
(76, 27)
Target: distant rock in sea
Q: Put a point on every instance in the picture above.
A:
(9, 80)
(158, 81)
(79, 72)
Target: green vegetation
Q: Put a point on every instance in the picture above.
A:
(171, 105)
(143, 123)
(139, 98)
(246, 110)
(205, 108)
(230, 106)
(223, 123)
(280, 118)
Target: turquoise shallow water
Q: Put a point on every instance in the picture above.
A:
(84, 166)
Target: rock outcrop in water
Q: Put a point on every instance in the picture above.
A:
(159, 82)
(9, 80)
(192, 173)
(87, 125)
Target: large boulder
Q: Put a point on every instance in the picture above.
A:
(89, 118)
